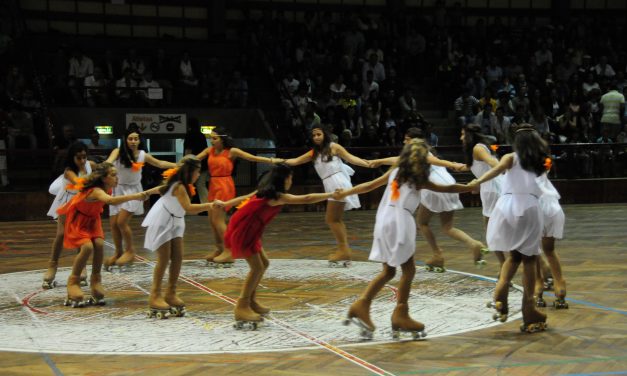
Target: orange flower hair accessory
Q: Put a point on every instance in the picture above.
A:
(191, 189)
(494, 147)
(137, 166)
(243, 203)
(548, 163)
(395, 191)
(80, 183)
(167, 174)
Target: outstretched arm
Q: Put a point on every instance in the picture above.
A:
(239, 153)
(389, 161)
(367, 186)
(234, 201)
(181, 195)
(504, 164)
(203, 154)
(299, 160)
(100, 195)
(481, 154)
(311, 198)
(444, 163)
(348, 157)
(115, 153)
(453, 188)
(158, 162)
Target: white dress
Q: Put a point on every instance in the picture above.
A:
(129, 182)
(165, 221)
(554, 217)
(63, 195)
(489, 191)
(395, 227)
(516, 222)
(438, 202)
(335, 174)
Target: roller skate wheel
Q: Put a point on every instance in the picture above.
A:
(490, 305)
(480, 264)
(161, 316)
(428, 268)
(438, 269)
(149, 315)
(418, 335)
(332, 264)
(346, 322)
(484, 250)
(66, 302)
(396, 334)
(540, 303)
(83, 282)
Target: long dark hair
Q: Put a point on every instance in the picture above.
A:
(75, 148)
(273, 183)
(323, 149)
(472, 137)
(412, 164)
(531, 149)
(95, 178)
(126, 155)
(185, 170)
(227, 140)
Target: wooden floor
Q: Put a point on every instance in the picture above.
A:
(588, 338)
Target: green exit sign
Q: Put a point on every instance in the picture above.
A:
(206, 129)
(104, 129)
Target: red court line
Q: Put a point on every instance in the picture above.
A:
(26, 302)
(325, 345)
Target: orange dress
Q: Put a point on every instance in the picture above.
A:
(82, 222)
(221, 184)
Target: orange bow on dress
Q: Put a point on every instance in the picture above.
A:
(494, 147)
(241, 204)
(396, 193)
(191, 189)
(548, 163)
(137, 166)
(77, 186)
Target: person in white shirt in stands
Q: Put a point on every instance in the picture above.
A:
(146, 84)
(186, 71)
(603, 69)
(96, 88)
(124, 92)
(80, 67)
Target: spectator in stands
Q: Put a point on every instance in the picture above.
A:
(146, 95)
(290, 83)
(539, 121)
(392, 137)
(29, 102)
(603, 69)
(493, 73)
(503, 101)
(612, 106)
(589, 84)
(81, 66)
(337, 87)
(311, 118)
(110, 66)
(375, 66)
(135, 64)
(237, 91)
(94, 141)
(568, 124)
(20, 126)
(476, 84)
(487, 98)
(522, 100)
(486, 119)
(369, 86)
(407, 103)
(163, 72)
(211, 89)
(96, 89)
(543, 55)
(506, 87)
(465, 107)
(187, 76)
(352, 121)
(502, 127)
(126, 88)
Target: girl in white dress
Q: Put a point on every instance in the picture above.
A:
(516, 223)
(64, 188)
(128, 160)
(165, 224)
(554, 220)
(394, 241)
(444, 204)
(480, 159)
(335, 175)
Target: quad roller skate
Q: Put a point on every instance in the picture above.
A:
(491, 304)
(125, 261)
(435, 264)
(478, 256)
(97, 291)
(246, 318)
(402, 323)
(222, 260)
(158, 308)
(109, 262)
(84, 277)
(74, 294)
(213, 255)
(340, 260)
(177, 305)
(501, 311)
(548, 283)
(258, 308)
(560, 295)
(533, 321)
(51, 273)
(540, 302)
(359, 314)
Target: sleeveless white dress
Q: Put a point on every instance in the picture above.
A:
(129, 182)
(554, 217)
(395, 227)
(335, 174)
(489, 191)
(517, 222)
(165, 221)
(438, 202)
(63, 195)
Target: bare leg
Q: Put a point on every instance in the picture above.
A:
(400, 317)
(117, 241)
(360, 309)
(55, 253)
(243, 310)
(499, 255)
(501, 292)
(123, 220)
(97, 291)
(333, 217)
(176, 261)
(446, 219)
(156, 300)
(260, 309)
(538, 288)
(436, 262)
(74, 291)
(533, 319)
(548, 246)
(218, 225)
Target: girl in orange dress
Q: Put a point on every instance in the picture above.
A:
(220, 157)
(83, 229)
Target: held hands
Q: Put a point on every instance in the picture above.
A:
(277, 160)
(338, 194)
(460, 167)
(473, 185)
(148, 193)
(217, 204)
(374, 164)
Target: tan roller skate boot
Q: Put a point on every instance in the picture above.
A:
(50, 274)
(97, 291)
(435, 264)
(218, 251)
(177, 305)
(401, 322)
(126, 260)
(477, 254)
(245, 317)
(223, 260)
(533, 320)
(84, 276)
(74, 292)
(255, 306)
(340, 259)
(158, 307)
(359, 314)
(560, 294)
(109, 262)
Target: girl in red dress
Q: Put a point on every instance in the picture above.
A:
(220, 157)
(244, 232)
(83, 229)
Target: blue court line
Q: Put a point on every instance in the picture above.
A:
(50, 363)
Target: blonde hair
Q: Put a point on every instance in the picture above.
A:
(412, 164)
(185, 168)
(95, 178)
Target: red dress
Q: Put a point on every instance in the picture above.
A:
(245, 229)
(221, 185)
(82, 221)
